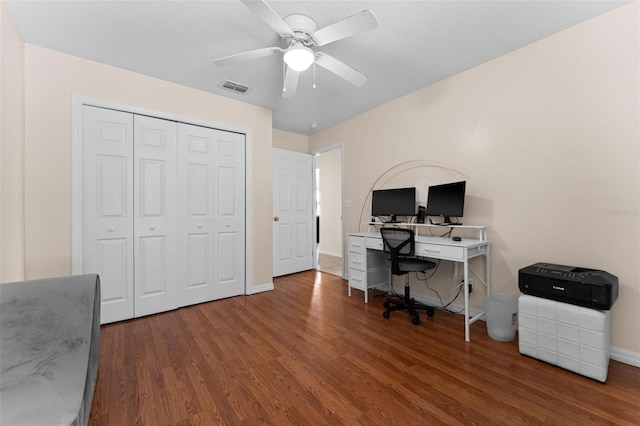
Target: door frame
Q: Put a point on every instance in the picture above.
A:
(77, 103)
(314, 154)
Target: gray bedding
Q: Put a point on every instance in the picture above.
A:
(49, 346)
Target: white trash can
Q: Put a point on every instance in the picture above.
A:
(501, 312)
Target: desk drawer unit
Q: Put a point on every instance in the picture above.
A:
(367, 268)
(357, 244)
(369, 260)
(363, 280)
(569, 336)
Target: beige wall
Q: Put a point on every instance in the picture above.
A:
(330, 187)
(11, 150)
(548, 136)
(51, 78)
(290, 141)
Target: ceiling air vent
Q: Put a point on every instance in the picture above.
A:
(235, 87)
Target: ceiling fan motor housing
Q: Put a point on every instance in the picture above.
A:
(302, 27)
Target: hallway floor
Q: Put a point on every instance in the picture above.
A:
(330, 264)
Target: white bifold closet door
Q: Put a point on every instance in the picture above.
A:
(155, 225)
(163, 212)
(107, 207)
(211, 204)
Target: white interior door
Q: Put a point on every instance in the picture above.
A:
(292, 212)
(155, 226)
(212, 214)
(107, 208)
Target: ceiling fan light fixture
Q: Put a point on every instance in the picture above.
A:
(299, 57)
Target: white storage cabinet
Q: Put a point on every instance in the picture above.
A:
(569, 336)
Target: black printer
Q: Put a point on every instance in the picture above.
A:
(590, 288)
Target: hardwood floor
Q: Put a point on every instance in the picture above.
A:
(308, 354)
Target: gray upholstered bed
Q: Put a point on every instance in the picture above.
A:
(49, 346)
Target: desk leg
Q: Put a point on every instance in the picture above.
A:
(487, 258)
(466, 299)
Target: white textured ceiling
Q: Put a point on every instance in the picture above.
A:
(416, 44)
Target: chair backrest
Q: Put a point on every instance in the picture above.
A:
(397, 242)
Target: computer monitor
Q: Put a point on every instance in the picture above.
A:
(446, 200)
(393, 202)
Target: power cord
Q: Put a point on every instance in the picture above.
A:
(452, 299)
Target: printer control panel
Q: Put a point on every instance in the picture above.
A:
(569, 275)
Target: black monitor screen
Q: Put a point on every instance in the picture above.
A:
(393, 202)
(446, 200)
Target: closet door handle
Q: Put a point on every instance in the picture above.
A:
(199, 226)
(153, 228)
(228, 224)
(276, 218)
(111, 229)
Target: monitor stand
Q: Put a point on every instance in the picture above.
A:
(447, 222)
(393, 219)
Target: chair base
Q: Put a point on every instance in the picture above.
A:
(395, 303)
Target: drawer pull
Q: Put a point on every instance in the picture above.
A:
(356, 245)
(356, 279)
(432, 250)
(357, 262)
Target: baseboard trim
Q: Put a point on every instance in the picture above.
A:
(260, 288)
(330, 253)
(625, 356)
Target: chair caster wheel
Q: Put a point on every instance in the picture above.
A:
(415, 320)
(430, 312)
(386, 304)
(385, 314)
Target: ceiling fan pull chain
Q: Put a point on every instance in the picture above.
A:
(314, 74)
(284, 77)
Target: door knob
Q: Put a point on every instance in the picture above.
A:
(276, 218)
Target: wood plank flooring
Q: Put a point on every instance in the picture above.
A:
(308, 354)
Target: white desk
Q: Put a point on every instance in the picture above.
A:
(367, 263)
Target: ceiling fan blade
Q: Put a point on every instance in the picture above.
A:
(290, 83)
(268, 15)
(341, 69)
(352, 25)
(247, 56)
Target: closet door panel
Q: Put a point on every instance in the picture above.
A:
(113, 268)
(229, 214)
(195, 205)
(155, 210)
(107, 208)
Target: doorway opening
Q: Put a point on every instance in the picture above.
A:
(328, 178)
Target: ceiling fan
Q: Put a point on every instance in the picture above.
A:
(299, 34)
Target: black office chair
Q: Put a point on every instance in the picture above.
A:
(400, 245)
